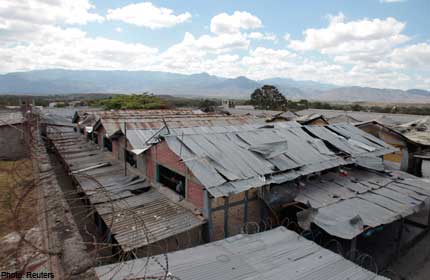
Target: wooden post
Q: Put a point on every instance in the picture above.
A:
(245, 210)
(226, 206)
(125, 149)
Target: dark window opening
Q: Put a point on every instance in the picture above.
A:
(171, 179)
(129, 157)
(96, 138)
(107, 143)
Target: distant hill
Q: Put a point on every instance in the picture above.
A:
(59, 81)
(375, 94)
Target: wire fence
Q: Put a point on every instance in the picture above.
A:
(38, 234)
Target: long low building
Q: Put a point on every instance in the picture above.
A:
(136, 217)
(275, 254)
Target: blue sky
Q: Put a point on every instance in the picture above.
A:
(368, 43)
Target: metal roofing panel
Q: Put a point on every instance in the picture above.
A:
(10, 117)
(251, 153)
(134, 220)
(343, 206)
(270, 255)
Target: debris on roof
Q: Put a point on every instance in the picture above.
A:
(272, 254)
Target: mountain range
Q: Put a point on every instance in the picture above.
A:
(59, 81)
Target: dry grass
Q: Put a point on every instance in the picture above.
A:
(17, 198)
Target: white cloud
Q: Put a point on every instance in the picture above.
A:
(365, 42)
(224, 23)
(118, 29)
(148, 15)
(72, 49)
(39, 12)
(415, 56)
(369, 52)
(24, 21)
(287, 37)
(356, 34)
(261, 36)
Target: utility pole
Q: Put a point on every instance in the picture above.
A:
(125, 148)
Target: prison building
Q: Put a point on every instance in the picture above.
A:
(135, 217)
(110, 129)
(222, 170)
(412, 140)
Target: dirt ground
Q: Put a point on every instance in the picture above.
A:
(17, 197)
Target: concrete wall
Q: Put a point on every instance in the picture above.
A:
(12, 142)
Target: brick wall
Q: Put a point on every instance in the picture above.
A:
(195, 193)
(161, 154)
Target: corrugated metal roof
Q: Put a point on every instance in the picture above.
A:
(344, 118)
(305, 119)
(417, 131)
(349, 139)
(113, 126)
(386, 118)
(239, 158)
(134, 220)
(272, 255)
(10, 117)
(343, 205)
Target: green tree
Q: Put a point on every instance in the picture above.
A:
(208, 105)
(268, 98)
(133, 101)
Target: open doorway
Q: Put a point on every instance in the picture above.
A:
(171, 179)
(107, 143)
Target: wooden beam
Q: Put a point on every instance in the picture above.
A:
(226, 207)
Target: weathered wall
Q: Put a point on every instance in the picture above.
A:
(12, 142)
(236, 217)
(161, 154)
(101, 132)
(389, 138)
(180, 241)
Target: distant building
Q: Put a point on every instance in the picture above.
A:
(412, 139)
(12, 135)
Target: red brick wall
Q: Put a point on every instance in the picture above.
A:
(162, 154)
(166, 157)
(195, 194)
